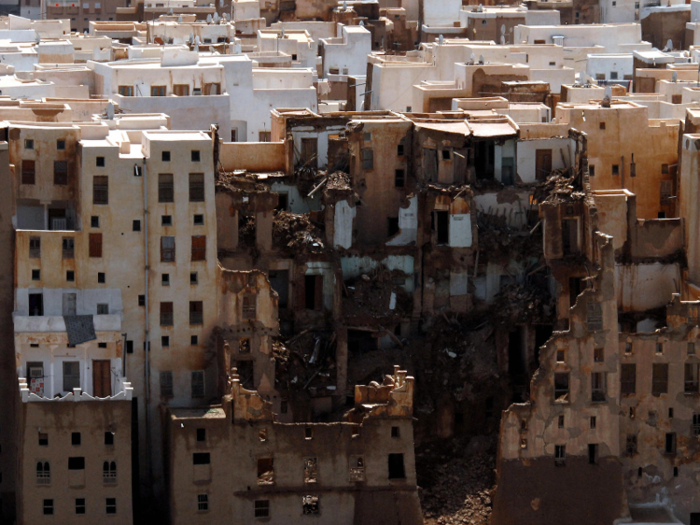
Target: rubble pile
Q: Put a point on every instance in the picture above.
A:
(246, 230)
(305, 362)
(498, 240)
(457, 481)
(375, 295)
(523, 303)
(558, 188)
(296, 232)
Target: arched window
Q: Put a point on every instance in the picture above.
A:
(109, 472)
(43, 473)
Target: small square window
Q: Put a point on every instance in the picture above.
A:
(201, 434)
(367, 137)
(166, 220)
(101, 277)
(70, 276)
(102, 308)
(80, 505)
(195, 155)
(561, 356)
(165, 341)
(101, 345)
(599, 355)
(591, 171)
(659, 348)
(198, 220)
(109, 438)
(395, 432)
(165, 279)
(194, 340)
(142, 300)
(136, 225)
(129, 347)
(43, 440)
(75, 438)
(36, 275)
(615, 169)
(446, 154)
(165, 156)
(308, 433)
(593, 422)
(94, 221)
(560, 422)
(202, 502)
(60, 145)
(28, 144)
(194, 279)
(100, 162)
(691, 348)
(48, 507)
(111, 505)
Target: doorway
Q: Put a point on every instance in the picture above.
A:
(101, 378)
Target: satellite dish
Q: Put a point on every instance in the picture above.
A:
(209, 18)
(472, 58)
(441, 40)
(216, 18)
(481, 59)
(110, 111)
(362, 24)
(170, 11)
(480, 8)
(669, 45)
(674, 77)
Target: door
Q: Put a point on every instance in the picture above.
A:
(69, 303)
(309, 152)
(543, 163)
(101, 378)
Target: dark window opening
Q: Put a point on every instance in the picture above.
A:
(396, 467)
(266, 472)
(592, 454)
(392, 226)
(442, 226)
(671, 443)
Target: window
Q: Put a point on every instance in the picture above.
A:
(659, 384)
(76, 463)
(28, 144)
(196, 187)
(266, 471)
(615, 169)
(559, 454)
(100, 162)
(109, 437)
(628, 378)
(264, 136)
(691, 378)
(111, 505)
(142, 300)
(109, 472)
(71, 375)
(446, 154)
(165, 279)
(194, 279)
(395, 432)
(36, 304)
(599, 355)
(201, 458)
(28, 174)
(664, 169)
(631, 444)
(310, 470)
(561, 386)
(399, 178)
(43, 440)
(691, 348)
(100, 190)
(166, 220)
(396, 467)
(367, 159)
(75, 438)
(166, 314)
(367, 137)
(310, 505)
(696, 425)
(592, 454)
(201, 435)
(35, 247)
(560, 422)
(670, 443)
(593, 423)
(80, 505)
(561, 356)
(598, 387)
(199, 247)
(198, 220)
(68, 248)
(167, 249)
(157, 91)
(195, 156)
(94, 221)
(213, 88)
(284, 407)
(197, 381)
(202, 502)
(196, 312)
(126, 91)
(181, 90)
(43, 473)
(166, 384)
(248, 308)
(660, 348)
(591, 171)
(48, 507)
(103, 309)
(165, 156)
(136, 225)
(601, 125)
(101, 277)
(392, 226)
(166, 191)
(670, 413)
(594, 316)
(60, 172)
(262, 508)
(399, 150)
